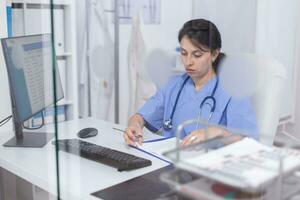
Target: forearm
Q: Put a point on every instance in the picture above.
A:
(213, 132)
(133, 132)
(136, 120)
(204, 134)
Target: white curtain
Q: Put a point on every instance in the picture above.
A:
(81, 57)
(266, 27)
(100, 48)
(101, 54)
(141, 87)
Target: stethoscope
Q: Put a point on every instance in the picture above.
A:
(168, 123)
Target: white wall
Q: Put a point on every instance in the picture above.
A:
(235, 19)
(275, 37)
(4, 90)
(294, 127)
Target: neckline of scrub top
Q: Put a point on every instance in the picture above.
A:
(190, 94)
(206, 90)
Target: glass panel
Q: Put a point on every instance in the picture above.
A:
(75, 71)
(113, 55)
(66, 109)
(29, 167)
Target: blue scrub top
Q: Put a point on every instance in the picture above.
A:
(239, 113)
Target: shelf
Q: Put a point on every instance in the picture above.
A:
(64, 54)
(56, 2)
(36, 19)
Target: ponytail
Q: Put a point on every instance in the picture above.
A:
(218, 61)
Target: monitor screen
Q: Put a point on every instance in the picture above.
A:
(29, 66)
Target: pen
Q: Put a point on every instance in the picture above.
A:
(137, 137)
(117, 129)
(146, 141)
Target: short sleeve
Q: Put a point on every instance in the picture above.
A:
(160, 104)
(153, 111)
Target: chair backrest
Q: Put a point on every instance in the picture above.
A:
(159, 64)
(262, 78)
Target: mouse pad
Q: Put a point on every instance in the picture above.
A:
(146, 187)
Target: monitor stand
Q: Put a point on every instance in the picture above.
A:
(28, 139)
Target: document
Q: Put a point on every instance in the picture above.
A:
(244, 164)
(160, 146)
(156, 147)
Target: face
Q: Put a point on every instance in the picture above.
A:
(197, 62)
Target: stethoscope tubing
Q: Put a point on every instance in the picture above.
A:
(168, 123)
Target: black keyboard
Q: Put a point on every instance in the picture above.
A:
(120, 160)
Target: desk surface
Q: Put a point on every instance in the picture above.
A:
(79, 177)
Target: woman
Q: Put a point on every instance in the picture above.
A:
(197, 93)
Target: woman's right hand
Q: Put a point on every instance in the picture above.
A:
(133, 134)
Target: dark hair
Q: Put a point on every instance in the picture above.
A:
(203, 33)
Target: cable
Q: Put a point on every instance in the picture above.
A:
(35, 128)
(4, 121)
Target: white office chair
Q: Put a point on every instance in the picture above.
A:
(263, 79)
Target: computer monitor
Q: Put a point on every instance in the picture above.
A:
(29, 62)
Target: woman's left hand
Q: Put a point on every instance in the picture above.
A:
(200, 135)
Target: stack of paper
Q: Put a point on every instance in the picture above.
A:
(245, 164)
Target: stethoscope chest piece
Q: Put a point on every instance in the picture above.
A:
(168, 124)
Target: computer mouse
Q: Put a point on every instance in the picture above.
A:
(87, 132)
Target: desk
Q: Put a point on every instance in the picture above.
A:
(79, 177)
